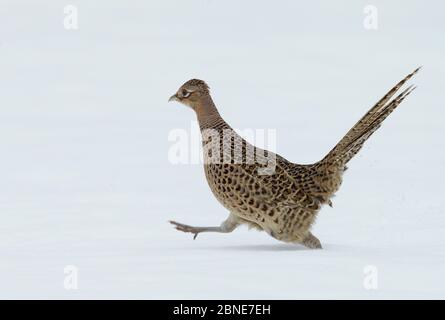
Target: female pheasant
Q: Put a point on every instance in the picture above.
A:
(284, 198)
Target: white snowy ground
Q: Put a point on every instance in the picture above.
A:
(85, 178)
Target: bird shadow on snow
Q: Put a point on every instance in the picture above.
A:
(260, 247)
(274, 247)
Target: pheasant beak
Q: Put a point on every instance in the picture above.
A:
(173, 98)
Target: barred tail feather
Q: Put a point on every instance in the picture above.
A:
(353, 141)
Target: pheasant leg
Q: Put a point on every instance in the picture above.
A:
(227, 226)
(311, 242)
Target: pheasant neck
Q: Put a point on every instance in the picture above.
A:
(208, 115)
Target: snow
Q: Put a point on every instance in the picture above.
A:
(85, 176)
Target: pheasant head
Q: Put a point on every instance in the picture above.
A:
(192, 93)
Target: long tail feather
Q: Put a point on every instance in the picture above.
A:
(353, 141)
(354, 147)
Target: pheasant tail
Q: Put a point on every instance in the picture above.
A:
(353, 141)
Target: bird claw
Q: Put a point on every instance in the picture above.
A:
(185, 228)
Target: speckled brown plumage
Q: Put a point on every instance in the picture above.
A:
(286, 202)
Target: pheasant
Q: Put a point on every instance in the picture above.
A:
(285, 202)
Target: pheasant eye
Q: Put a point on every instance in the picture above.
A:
(185, 93)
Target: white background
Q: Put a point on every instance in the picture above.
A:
(85, 178)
